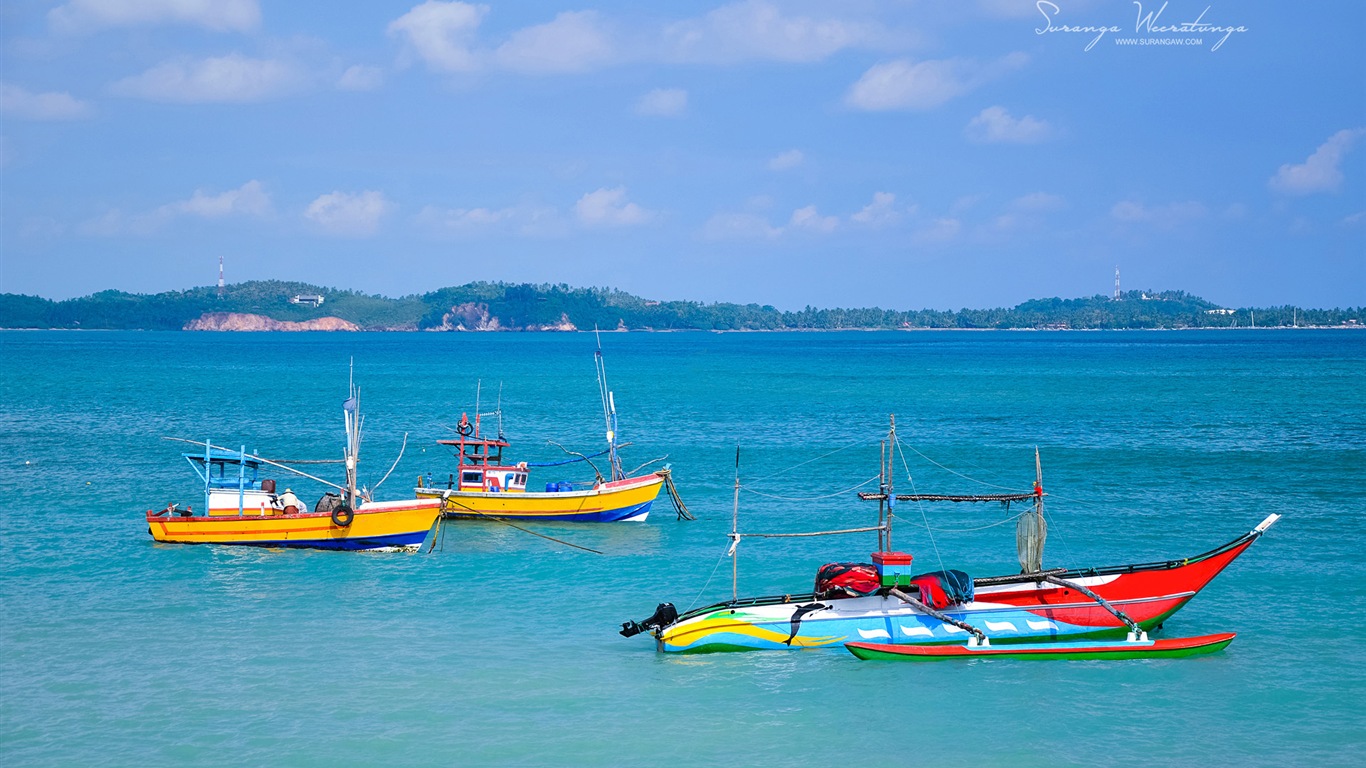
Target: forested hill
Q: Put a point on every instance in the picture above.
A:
(525, 307)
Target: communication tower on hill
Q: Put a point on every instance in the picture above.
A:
(220, 277)
(1116, 283)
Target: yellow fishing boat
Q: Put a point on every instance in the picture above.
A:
(241, 507)
(484, 485)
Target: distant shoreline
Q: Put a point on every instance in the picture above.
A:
(262, 306)
(519, 331)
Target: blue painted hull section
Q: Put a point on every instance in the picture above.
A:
(412, 539)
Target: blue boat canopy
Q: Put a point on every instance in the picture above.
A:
(226, 457)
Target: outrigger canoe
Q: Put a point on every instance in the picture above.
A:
(1007, 609)
(1123, 649)
(883, 602)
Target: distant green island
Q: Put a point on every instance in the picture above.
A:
(276, 305)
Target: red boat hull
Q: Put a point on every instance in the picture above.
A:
(1147, 594)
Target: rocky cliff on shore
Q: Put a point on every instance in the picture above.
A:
(238, 321)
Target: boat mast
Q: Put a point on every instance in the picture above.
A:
(735, 534)
(351, 415)
(888, 491)
(208, 474)
(1031, 531)
(882, 502)
(609, 410)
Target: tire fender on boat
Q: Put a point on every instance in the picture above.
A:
(342, 516)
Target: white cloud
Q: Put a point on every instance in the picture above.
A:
(785, 160)
(759, 30)
(526, 219)
(1037, 202)
(609, 207)
(227, 79)
(902, 84)
(342, 213)
(575, 41)
(663, 102)
(1322, 171)
(250, 199)
(1170, 215)
(994, 125)
(881, 212)
(464, 219)
(20, 103)
(218, 15)
(745, 226)
(808, 219)
(442, 33)
(360, 78)
(938, 231)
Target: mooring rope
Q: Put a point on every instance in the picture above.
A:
(679, 506)
(496, 519)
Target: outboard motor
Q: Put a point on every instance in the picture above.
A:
(664, 615)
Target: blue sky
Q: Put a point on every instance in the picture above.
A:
(897, 154)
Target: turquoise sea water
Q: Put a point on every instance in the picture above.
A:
(500, 648)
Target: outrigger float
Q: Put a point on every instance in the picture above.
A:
(485, 485)
(1122, 649)
(243, 508)
(881, 610)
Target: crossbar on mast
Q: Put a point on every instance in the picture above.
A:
(949, 497)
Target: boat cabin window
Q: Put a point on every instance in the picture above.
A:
(520, 480)
(471, 478)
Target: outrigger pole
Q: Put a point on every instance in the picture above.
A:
(978, 636)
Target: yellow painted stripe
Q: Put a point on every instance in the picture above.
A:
(305, 527)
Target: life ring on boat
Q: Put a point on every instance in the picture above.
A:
(342, 516)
